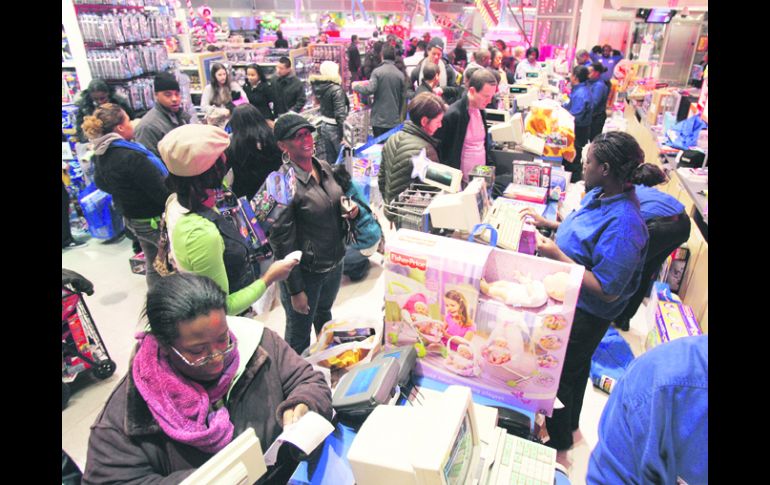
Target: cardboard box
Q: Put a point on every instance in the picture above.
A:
(511, 351)
(668, 317)
(138, 264)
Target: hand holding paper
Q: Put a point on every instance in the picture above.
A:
(306, 434)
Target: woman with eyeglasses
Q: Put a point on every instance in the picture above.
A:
(197, 380)
(313, 222)
(607, 235)
(201, 240)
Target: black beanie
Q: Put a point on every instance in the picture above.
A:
(165, 82)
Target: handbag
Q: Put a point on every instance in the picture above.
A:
(163, 263)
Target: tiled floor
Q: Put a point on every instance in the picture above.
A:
(117, 302)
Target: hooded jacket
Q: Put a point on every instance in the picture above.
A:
(156, 124)
(128, 445)
(334, 102)
(396, 169)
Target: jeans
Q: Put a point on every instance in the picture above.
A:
(665, 237)
(356, 264)
(587, 332)
(148, 240)
(329, 142)
(321, 290)
(576, 166)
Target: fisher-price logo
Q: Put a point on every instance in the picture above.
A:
(408, 261)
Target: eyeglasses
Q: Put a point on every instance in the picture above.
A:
(205, 360)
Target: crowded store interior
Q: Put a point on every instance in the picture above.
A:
(383, 242)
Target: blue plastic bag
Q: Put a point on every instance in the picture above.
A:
(685, 133)
(103, 221)
(610, 360)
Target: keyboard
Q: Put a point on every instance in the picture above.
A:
(524, 462)
(504, 216)
(532, 143)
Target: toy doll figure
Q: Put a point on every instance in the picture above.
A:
(456, 318)
(416, 308)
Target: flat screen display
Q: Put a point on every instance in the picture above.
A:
(660, 15)
(362, 381)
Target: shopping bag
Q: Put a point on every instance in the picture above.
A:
(346, 342)
(610, 360)
(103, 221)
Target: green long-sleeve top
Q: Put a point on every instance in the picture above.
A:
(199, 248)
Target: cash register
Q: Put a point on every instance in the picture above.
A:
(448, 440)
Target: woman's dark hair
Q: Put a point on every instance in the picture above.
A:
(177, 298)
(342, 176)
(222, 94)
(581, 73)
(377, 47)
(260, 72)
(533, 50)
(493, 53)
(649, 175)
(501, 41)
(104, 120)
(598, 67)
(99, 86)
(426, 104)
(250, 133)
(191, 191)
(620, 151)
(597, 49)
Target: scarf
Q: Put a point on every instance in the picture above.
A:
(182, 407)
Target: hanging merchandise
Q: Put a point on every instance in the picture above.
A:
(204, 29)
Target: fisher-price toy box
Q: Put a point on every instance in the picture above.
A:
(496, 321)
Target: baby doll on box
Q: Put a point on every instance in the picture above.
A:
(496, 321)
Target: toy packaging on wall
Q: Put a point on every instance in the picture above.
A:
(493, 320)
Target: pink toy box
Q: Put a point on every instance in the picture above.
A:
(496, 321)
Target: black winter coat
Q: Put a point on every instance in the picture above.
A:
(288, 94)
(135, 183)
(260, 97)
(251, 168)
(452, 133)
(334, 102)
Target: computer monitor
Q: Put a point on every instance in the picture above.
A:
(495, 116)
(510, 132)
(525, 100)
(443, 176)
(239, 462)
(436, 444)
(460, 211)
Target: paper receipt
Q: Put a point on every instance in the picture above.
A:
(306, 434)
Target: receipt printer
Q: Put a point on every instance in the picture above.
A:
(406, 357)
(366, 387)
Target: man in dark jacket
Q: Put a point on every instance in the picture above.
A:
(327, 88)
(166, 115)
(280, 42)
(388, 85)
(354, 59)
(463, 133)
(429, 81)
(447, 74)
(288, 90)
(128, 445)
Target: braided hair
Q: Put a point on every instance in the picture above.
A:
(620, 152)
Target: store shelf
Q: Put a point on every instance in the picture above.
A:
(121, 81)
(91, 8)
(102, 46)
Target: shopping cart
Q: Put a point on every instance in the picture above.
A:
(82, 347)
(410, 209)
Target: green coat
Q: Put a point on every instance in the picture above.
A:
(396, 168)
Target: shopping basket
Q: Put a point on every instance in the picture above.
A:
(82, 346)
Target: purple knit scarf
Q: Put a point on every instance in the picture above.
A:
(181, 405)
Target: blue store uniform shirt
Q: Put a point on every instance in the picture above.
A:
(608, 237)
(599, 94)
(654, 203)
(580, 105)
(654, 428)
(609, 63)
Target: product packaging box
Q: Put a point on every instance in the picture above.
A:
(493, 320)
(138, 264)
(527, 193)
(668, 317)
(536, 173)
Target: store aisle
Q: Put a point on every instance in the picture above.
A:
(117, 302)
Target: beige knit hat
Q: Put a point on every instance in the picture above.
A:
(190, 150)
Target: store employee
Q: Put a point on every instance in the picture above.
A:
(608, 236)
(580, 106)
